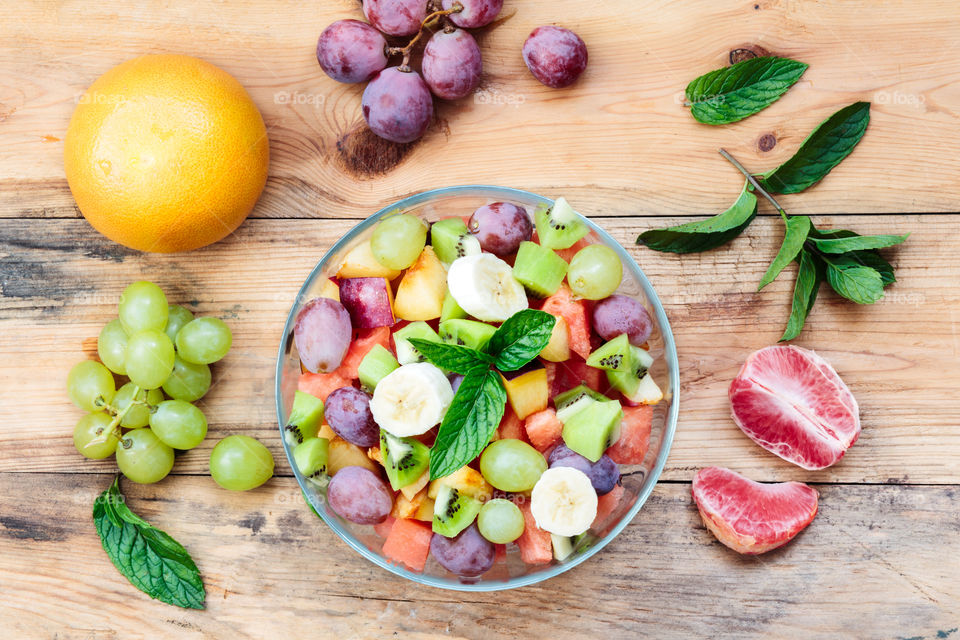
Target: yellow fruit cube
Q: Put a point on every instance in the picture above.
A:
(528, 393)
(360, 263)
(422, 289)
(466, 480)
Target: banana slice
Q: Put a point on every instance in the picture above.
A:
(483, 286)
(564, 501)
(410, 400)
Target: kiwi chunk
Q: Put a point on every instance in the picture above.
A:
(304, 420)
(450, 309)
(310, 457)
(627, 379)
(564, 546)
(451, 240)
(375, 366)
(567, 398)
(559, 227)
(453, 511)
(405, 459)
(405, 351)
(468, 333)
(615, 355)
(539, 269)
(590, 426)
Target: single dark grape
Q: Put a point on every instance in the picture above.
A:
(451, 64)
(604, 473)
(555, 56)
(621, 314)
(397, 104)
(475, 13)
(396, 17)
(501, 227)
(351, 51)
(347, 411)
(467, 555)
(357, 494)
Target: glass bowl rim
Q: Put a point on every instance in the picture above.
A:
(670, 355)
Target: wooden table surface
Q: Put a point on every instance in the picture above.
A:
(882, 558)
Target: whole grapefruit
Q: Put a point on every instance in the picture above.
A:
(166, 153)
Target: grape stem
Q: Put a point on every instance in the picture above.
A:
(117, 418)
(753, 182)
(405, 51)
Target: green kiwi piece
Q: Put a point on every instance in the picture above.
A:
(451, 310)
(559, 227)
(304, 420)
(627, 379)
(564, 546)
(615, 355)
(567, 398)
(311, 459)
(451, 240)
(405, 459)
(375, 366)
(453, 511)
(468, 333)
(405, 351)
(539, 269)
(590, 426)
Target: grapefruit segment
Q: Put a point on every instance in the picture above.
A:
(792, 403)
(750, 517)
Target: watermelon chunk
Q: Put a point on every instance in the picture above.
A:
(511, 427)
(543, 429)
(563, 376)
(534, 542)
(383, 529)
(634, 440)
(409, 543)
(568, 253)
(574, 312)
(500, 553)
(322, 385)
(606, 505)
(364, 341)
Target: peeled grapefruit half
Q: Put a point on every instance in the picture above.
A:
(791, 402)
(750, 517)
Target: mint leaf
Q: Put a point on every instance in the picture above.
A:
(873, 260)
(809, 277)
(733, 93)
(857, 243)
(821, 151)
(520, 339)
(794, 236)
(860, 284)
(452, 357)
(150, 559)
(473, 416)
(705, 234)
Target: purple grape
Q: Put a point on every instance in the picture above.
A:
(396, 17)
(501, 227)
(347, 411)
(455, 381)
(357, 494)
(351, 51)
(475, 13)
(604, 473)
(467, 555)
(451, 64)
(621, 314)
(322, 334)
(397, 104)
(555, 56)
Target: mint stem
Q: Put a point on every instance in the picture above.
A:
(753, 182)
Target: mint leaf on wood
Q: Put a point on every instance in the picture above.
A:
(794, 236)
(520, 339)
(809, 277)
(452, 357)
(733, 93)
(860, 284)
(857, 243)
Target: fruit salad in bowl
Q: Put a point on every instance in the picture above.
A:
(477, 388)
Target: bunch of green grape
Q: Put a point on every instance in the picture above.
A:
(164, 352)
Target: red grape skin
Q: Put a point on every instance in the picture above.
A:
(451, 64)
(351, 51)
(500, 227)
(322, 334)
(468, 555)
(397, 105)
(396, 17)
(347, 411)
(358, 495)
(475, 13)
(555, 56)
(622, 314)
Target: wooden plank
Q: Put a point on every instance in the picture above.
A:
(619, 142)
(61, 282)
(871, 565)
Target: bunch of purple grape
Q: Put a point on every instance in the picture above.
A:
(397, 102)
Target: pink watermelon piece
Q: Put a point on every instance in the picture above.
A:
(409, 543)
(383, 529)
(543, 429)
(365, 340)
(510, 426)
(563, 304)
(606, 505)
(534, 542)
(322, 385)
(631, 447)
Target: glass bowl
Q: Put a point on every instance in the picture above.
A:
(638, 480)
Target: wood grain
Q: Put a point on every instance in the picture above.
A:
(619, 142)
(871, 565)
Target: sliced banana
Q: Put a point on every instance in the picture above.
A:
(484, 287)
(412, 399)
(564, 501)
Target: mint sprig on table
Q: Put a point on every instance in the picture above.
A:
(480, 401)
(733, 93)
(150, 559)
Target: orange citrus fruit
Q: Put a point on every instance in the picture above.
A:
(166, 153)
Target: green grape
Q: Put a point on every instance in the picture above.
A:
(500, 521)
(188, 381)
(149, 359)
(143, 306)
(112, 347)
(240, 463)
(398, 240)
(138, 415)
(92, 438)
(90, 385)
(143, 458)
(177, 317)
(595, 272)
(512, 465)
(204, 340)
(179, 424)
